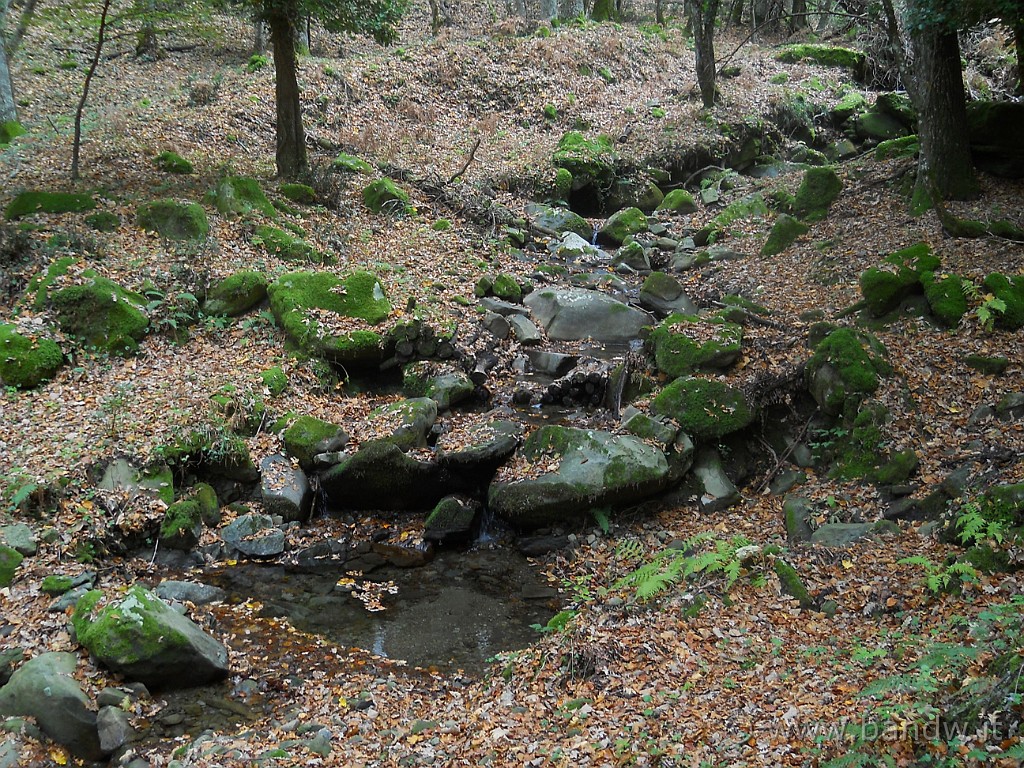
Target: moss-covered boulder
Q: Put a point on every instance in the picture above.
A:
(9, 131)
(591, 469)
(31, 202)
(406, 423)
(785, 232)
(663, 295)
(826, 56)
(791, 584)
(26, 361)
(705, 409)
(818, 190)
(891, 149)
(445, 387)
(103, 221)
(995, 128)
(285, 245)
(683, 344)
(552, 220)
(990, 365)
(345, 163)
(173, 220)
(141, 637)
(623, 225)
(172, 162)
(240, 195)
(333, 317)
(946, 297)
(298, 193)
(590, 161)
(885, 287)
(10, 559)
(308, 436)
(182, 525)
(452, 521)
(678, 201)
(846, 366)
(639, 193)
(380, 476)
(899, 106)
(384, 196)
(848, 105)
(275, 380)
(875, 126)
(236, 294)
(102, 314)
(1010, 291)
(577, 313)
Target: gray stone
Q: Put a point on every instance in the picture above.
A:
(408, 421)
(797, 512)
(114, 697)
(717, 491)
(503, 308)
(139, 636)
(10, 752)
(551, 363)
(481, 447)
(497, 325)
(451, 521)
(1009, 408)
(786, 480)
(663, 295)
(569, 314)
(189, 591)
(44, 688)
(525, 331)
(68, 599)
(20, 538)
(840, 534)
(634, 257)
(448, 389)
(573, 248)
(285, 488)
(380, 476)
(113, 728)
(9, 658)
(551, 220)
(254, 535)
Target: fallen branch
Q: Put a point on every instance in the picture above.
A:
(465, 166)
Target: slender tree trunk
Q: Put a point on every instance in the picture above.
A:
(576, 9)
(798, 19)
(938, 93)
(27, 11)
(548, 9)
(1018, 43)
(259, 36)
(702, 17)
(8, 109)
(291, 137)
(736, 13)
(77, 147)
(824, 9)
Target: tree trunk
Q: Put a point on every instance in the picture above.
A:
(945, 167)
(576, 9)
(28, 8)
(824, 9)
(1018, 43)
(798, 18)
(736, 14)
(291, 138)
(702, 18)
(77, 147)
(548, 9)
(8, 110)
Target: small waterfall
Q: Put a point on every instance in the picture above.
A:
(489, 528)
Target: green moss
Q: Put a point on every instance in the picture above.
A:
(56, 585)
(946, 297)
(172, 162)
(752, 207)
(899, 106)
(236, 294)
(1009, 290)
(819, 188)
(275, 380)
(988, 560)
(678, 201)
(173, 220)
(884, 289)
(897, 468)
(124, 631)
(298, 193)
(785, 232)
(441, 225)
(890, 149)
(825, 55)
(48, 202)
(103, 221)
(209, 506)
(705, 409)
(285, 245)
(240, 195)
(623, 225)
(717, 344)
(9, 131)
(383, 195)
(305, 437)
(102, 314)
(506, 287)
(25, 361)
(989, 365)
(344, 163)
(791, 583)
(182, 524)
(857, 368)
(848, 106)
(858, 451)
(588, 160)
(563, 184)
(10, 559)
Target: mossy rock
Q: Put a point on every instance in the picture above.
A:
(891, 149)
(10, 559)
(678, 201)
(1009, 290)
(9, 131)
(216, 451)
(451, 521)
(236, 294)
(553, 220)
(383, 195)
(174, 220)
(406, 422)
(946, 297)
(590, 161)
(639, 193)
(209, 505)
(182, 525)
(298, 193)
(703, 408)
(240, 195)
(102, 314)
(989, 560)
(878, 126)
(345, 163)
(359, 296)
(843, 367)
(623, 225)
(826, 56)
(562, 185)
(785, 232)
(990, 365)
(791, 584)
(899, 106)
(505, 286)
(275, 380)
(172, 162)
(818, 190)
(26, 362)
(285, 245)
(56, 584)
(380, 476)
(884, 289)
(849, 105)
(28, 203)
(750, 207)
(308, 436)
(896, 469)
(103, 221)
(715, 344)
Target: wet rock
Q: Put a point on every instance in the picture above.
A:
(254, 535)
(324, 556)
(412, 554)
(503, 308)
(44, 688)
(716, 491)
(189, 591)
(452, 521)
(380, 476)
(536, 546)
(576, 313)
(480, 448)
(285, 488)
(20, 538)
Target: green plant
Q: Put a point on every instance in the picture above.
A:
(974, 527)
(942, 577)
(556, 623)
(989, 307)
(256, 62)
(115, 406)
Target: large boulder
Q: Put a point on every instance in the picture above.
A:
(26, 361)
(819, 189)
(683, 344)
(236, 294)
(406, 423)
(331, 317)
(285, 488)
(307, 437)
(579, 470)
(623, 225)
(102, 314)
(552, 220)
(705, 408)
(846, 366)
(380, 476)
(663, 295)
(254, 536)
(174, 220)
(577, 313)
(590, 161)
(240, 195)
(44, 688)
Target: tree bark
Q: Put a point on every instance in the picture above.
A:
(548, 9)
(8, 109)
(291, 137)
(798, 17)
(1018, 44)
(945, 167)
(77, 147)
(702, 17)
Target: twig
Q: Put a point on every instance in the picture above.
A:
(469, 160)
(785, 455)
(695, 174)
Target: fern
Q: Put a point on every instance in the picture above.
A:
(973, 527)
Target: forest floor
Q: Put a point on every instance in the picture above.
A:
(751, 679)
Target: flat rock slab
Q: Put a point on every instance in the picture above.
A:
(840, 534)
(573, 314)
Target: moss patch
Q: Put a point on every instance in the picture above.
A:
(240, 195)
(103, 315)
(684, 344)
(989, 365)
(785, 232)
(384, 194)
(10, 559)
(275, 380)
(1009, 290)
(182, 525)
(825, 55)
(704, 408)
(819, 188)
(173, 220)
(858, 370)
(172, 162)
(946, 297)
(590, 161)
(236, 294)
(890, 149)
(791, 583)
(55, 584)
(345, 163)
(298, 193)
(884, 288)
(48, 202)
(9, 131)
(678, 201)
(285, 245)
(103, 221)
(307, 436)
(623, 225)
(26, 362)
